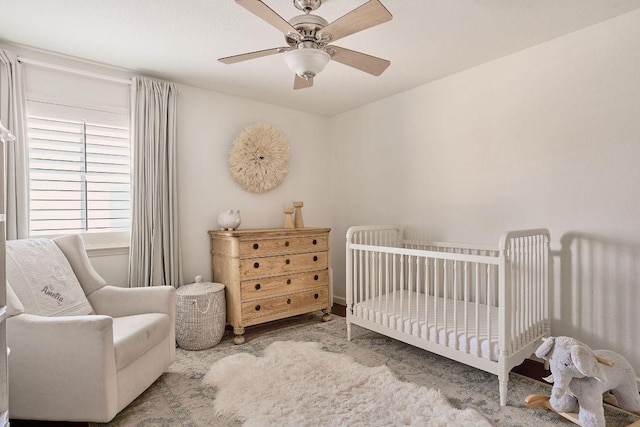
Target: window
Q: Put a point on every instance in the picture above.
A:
(79, 176)
(79, 148)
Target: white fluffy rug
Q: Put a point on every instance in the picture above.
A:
(298, 384)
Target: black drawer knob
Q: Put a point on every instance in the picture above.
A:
(258, 307)
(315, 242)
(315, 258)
(256, 246)
(288, 300)
(257, 286)
(256, 264)
(288, 281)
(288, 261)
(315, 277)
(316, 296)
(286, 243)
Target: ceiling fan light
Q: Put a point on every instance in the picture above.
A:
(306, 62)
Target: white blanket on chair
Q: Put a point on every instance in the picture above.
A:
(43, 280)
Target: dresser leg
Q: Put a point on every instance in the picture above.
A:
(326, 315)
(239, 338)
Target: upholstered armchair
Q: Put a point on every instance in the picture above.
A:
(80, 350)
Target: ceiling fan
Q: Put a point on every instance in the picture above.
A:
(309, 36)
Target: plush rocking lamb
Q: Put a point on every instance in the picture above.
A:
(581, 376)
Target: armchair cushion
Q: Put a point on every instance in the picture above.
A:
(135, 335)
(41, 277)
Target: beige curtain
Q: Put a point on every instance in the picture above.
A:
(154, 255)
(12, 115)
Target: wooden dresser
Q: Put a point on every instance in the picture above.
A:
(271, 274)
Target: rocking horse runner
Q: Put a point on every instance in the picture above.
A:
(580, 377)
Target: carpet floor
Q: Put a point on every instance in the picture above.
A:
(179, 398)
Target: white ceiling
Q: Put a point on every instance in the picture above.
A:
(180, 40)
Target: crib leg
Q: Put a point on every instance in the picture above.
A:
(503, 389)
(348, 331)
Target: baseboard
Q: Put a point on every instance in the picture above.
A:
(339, 300)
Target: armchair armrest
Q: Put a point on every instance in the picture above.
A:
(117, 302)
(58, 360)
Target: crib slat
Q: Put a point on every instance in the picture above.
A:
(489, 323)
(427, 290)
(536, 279)
(455, 305)
(477, 307)
(530, 285)
(418, 284)
(379, 295)
(446, 301)
(386, 287)
(395, 286)
(466, 307)
(367, 283)
(409, 292)
(402, 281)
(361, 281)
(435, 304)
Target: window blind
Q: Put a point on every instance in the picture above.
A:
(79, 176)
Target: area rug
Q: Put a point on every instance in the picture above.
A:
(180, 398)
(298, 384)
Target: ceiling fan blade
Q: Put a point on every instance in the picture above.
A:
(300, 83)
(368, 15)
(252, 55)
(264, 12)
(361, 61)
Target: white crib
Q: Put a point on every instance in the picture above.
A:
(482, 306)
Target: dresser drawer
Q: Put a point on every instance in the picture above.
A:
(270, 286)
(262, 247)
(279, 265)
(295, 303)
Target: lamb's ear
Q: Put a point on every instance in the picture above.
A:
(585, 361)
(545, 348)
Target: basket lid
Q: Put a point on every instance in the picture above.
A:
(199, 287)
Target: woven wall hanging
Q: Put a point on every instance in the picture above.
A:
(259, 158)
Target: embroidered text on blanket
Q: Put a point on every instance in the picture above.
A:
(55, 295)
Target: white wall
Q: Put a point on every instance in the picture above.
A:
(111, 264)
(547, 137)
(208, 123)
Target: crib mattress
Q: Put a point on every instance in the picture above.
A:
(412, 313)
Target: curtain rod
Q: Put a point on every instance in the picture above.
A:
(73, 70)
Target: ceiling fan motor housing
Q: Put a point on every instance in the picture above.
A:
(308, 26)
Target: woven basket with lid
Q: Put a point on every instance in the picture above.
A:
(200, 314)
